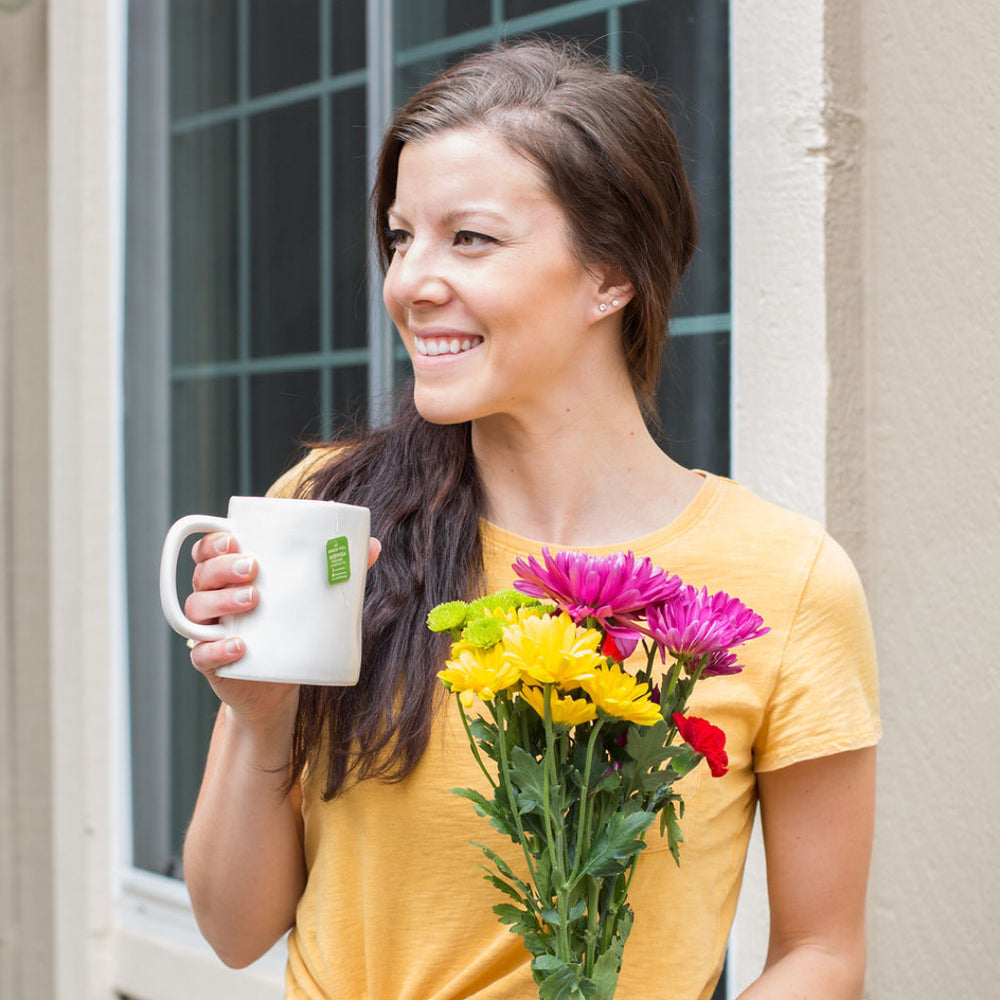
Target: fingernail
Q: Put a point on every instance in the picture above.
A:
(244, 596)
(243, 566)
(222, 544)
(233, 647)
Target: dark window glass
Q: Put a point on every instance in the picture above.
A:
(684, 46)
(693, 401)
(349, 232)
(284, 44)
(350, 395)
(203, 245)
(284, 228)
(203, 57)
(204, 460)
(347, 27)
(284, 411)
(518, 8)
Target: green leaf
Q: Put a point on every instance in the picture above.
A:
(528, 777)
(508, 913)
(617, 843)
(499, 817)
(645, 745)
(505, 887)
(607, 969)
(669, 823)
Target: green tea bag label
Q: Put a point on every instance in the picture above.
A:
(338, 560)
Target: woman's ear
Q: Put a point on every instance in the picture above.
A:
(613, 291)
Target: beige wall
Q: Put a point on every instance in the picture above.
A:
(26, 903)
(932, 305)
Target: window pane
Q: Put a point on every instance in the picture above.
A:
(350, 219)
(693, 401)
(684, 44)
(284, 411)
(348, 27)
(202, 55)
(204, 432)
(350, 395)
(203, 245)
(284, 44)
(419, 23)
(284, 284)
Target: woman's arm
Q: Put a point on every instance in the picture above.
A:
(243, 860)
(818, 821)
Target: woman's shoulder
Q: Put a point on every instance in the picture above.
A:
(289, 483)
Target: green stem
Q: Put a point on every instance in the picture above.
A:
(475, 748)
(501, 717)
(592, 925)
(555, 838)
(584, 814)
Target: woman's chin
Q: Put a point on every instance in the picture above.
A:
(440, 408)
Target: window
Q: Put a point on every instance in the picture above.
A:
(250, 323)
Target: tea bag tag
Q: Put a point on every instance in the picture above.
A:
(338, 560)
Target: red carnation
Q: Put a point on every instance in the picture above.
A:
(706, 739)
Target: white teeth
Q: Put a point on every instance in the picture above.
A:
(433, 348)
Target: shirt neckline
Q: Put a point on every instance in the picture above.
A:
(501, 538)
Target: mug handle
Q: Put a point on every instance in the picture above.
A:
(193, 524)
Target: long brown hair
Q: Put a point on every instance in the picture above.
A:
(612, 163)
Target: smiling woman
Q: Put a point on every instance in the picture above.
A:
(536, 221)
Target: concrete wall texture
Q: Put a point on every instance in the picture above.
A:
(866, 236)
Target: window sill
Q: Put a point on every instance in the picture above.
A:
(161, 955)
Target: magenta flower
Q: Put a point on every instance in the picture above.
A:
(614, 589)
(694, 623)
(721, 663)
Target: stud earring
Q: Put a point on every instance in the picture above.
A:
(603, 307)
(615, 303)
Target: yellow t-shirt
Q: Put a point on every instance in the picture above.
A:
(396, 907)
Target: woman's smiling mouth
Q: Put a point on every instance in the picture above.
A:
(434, 345)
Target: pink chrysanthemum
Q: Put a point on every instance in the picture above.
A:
(614, 589)
(694, 623)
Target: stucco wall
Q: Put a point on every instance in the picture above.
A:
(932, 303)
(26, 904)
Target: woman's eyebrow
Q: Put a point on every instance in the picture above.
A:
(453, 215)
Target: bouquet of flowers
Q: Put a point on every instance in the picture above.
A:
(584, 753)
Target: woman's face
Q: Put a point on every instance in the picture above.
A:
(497, 314)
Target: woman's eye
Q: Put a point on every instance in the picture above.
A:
(398, 239)
(470, 240)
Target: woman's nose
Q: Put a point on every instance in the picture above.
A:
(416, 276)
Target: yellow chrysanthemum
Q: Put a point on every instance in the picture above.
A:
(552, 649)
(478, 673)
(620, 695)
(562, 711)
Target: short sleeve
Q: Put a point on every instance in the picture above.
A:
(825, 696)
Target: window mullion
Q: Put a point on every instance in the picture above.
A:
(380, 52)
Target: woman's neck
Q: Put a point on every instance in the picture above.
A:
(592, 476)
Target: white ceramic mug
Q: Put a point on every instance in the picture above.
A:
(312, 559)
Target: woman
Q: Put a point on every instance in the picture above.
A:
(535, 224)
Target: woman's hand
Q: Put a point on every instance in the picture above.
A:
(223, 585)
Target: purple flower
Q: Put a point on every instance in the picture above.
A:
(694, 623)
(721, 663)
(614, 589)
